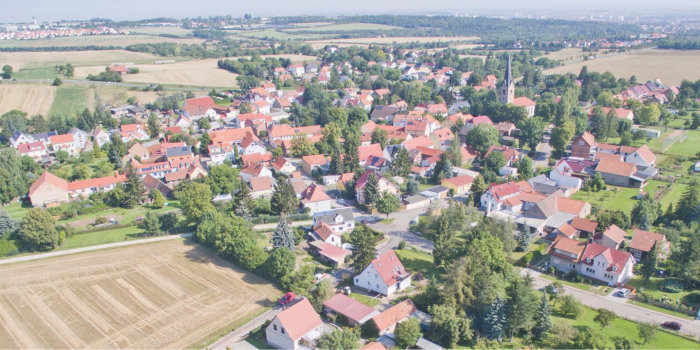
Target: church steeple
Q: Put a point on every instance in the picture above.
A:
(507, 92)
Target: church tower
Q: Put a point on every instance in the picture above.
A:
(507, 92)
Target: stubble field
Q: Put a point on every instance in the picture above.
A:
(33, 60)
(97, 40)
(671, 66)
(32, 99)
(170, 294)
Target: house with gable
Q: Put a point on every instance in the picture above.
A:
(298, 326)
(642, 242)
(354, 311)
(64, 142)
(199, 107)
(612, 237)
(383, 185)
(50, 190)
(323, 232)
(316, 199)
(593, 260)
(340, 220)
(584, 146)
(283, 166)
(385, 275)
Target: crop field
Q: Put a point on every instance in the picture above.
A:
(170, 294)
(568, 54)
(400, 40)
(273, 34)
(69, 100)
(671, 66)
(32, 99)
(96, 40)
(345, 27)
(159, 30)
(34, 60)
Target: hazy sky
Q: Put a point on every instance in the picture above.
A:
(50, 10)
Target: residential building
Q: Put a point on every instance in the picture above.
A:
(299, 325)
(315, 199)
(383, 185)
(50, 190)
(323, 232)
(354, 311)
(612, 237)
(312, 162)
(339, 220)
(584, 146)
(260, 187)
(385, 275)
(593, 260)
(460, 184)
(642, 242)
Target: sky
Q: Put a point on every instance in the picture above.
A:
(52, 10)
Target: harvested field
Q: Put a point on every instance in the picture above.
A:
(199, 72)
(30, 60)
(345, 27)
(568, 54)
(159, 30)
(32, 99)
(171, 294)
(115, 95)
(96, 40)
(389, 40)
(671, 66)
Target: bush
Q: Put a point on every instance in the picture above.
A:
(402, 245)
(673, 285)
(101, 220)
(8, 247)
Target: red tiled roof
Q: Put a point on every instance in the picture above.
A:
(299, 319)
(323, 230)
(314, 159)
(63, 138)
(582, 224)
(389, 267)
(644, 240)
(200, 101)
(394, 314)
(418, 141)
(568, 205)
(348, 307)
(523, 101)
(279, 163)
(615, 233)
(261, 183)
(97, 182)
(620, 168)
(47, 177)
(332, 252)
(314, 193)
(256, 158)
(503, 190)
(567, 230)
(375, 345)
(231, 135)
(568, 245)
(646, 154)
(373, 149)
(457, 181)
(616, 258)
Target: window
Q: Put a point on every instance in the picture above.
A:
(274, 326)
(282, 330)
(357, 280)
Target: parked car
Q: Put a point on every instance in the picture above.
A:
(623, 293)
(287, 298)
(673, 325)
(551, 289)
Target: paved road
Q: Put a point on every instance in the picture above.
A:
(242, 332)
(397, 231)
(619, 306)
(91, 248)
(273, 225)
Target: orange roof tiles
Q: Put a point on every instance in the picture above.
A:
(644, 240)
(394, 314)
(299, 319)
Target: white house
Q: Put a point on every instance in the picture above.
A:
(64, 142)
(384, 275)
(323, 232)
(284, 166)
(593, 260)
(101, 137)
(562, 174)
(296, 326)
(642, 157)
(339, 220)
(316, 199)
(81, 138)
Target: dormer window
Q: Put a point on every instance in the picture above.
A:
(614, 268)
(588, 260)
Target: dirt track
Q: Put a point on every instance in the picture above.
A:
(169, 294)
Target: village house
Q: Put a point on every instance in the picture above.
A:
(354, 311)
(283, 166)
(297, 326)
(64, 142)
(315, 199)
(35, 150)
(323, 232)
(528, 104)
(618, 173)
(50, 190)
(642, 242)
(261, 187)
(612, 237)
(593, 260)
(383, 185)
(385, 275)
(340, 220)
(387, 320)
(584, 146)
(312, 162)
(460, 184)
(199, 107)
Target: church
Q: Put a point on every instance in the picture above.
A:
(506, 94)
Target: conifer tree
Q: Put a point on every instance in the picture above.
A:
(494, 320)
(649, 262)
(244, 204)
(371, 190)
(543, 321)
(283, 236)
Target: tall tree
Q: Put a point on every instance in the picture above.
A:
(153, 126)
(150, 223)
(117, 150)
(284, 199)
(444, 240)
(481, 137)
(13, 176)
(479, 186)
(649, 262)
(401, 165)
(133, 188)
(7, 224)
(494, 321)
(362, 240)
(336, 165)
(352, 156)
(339, 339)
(442, 169)
(407, 333)
(688, 208)
(388, 203)
(604, 317)
(204, 142)
(531, 132)
(449, 326)
(195, 199)
(520, 306)
(301, 146)
(379, 136)
(283, 236)
(454, 152)
(38, 230)
(222, 179)
(243, 201)
(371, 190)
(279, 264)
(542, 319)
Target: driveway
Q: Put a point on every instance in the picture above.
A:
(397, 231)
(619, 306)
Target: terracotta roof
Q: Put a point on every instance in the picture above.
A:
(509, 153)
(646, 154)
(279, 163)
(394, 314)
(585, 225)
(373, 149)
(503, 190)
(375, 345)
(331, 251)
(299, 319)
(64, 138)
(588, 137)
(482, 119)
(231, 135)
(389, 267)
(256, 158)
(608, 156)
(568, 205)
(201, 101)
(47, 177)
(286, 130)
(252, 168)
(615, 233)
(523, 101)
(97, 182)
(567, 230)
(457, 181)
(314, 193)
(644, 240)
(261, 183)
(616, 258)
(568, 245)
(323, 230)
(418, 141)
(616, 167)
(348, 307)
(314, 159)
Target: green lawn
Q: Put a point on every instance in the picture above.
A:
(15, 210)
(688, 147)
(344, 27)
(127, 215)
(416, 261)
(624, 198)
(622, 327)
(36, 73)
(69, 100)
(654, 287)
(102, 237)
(369, 301)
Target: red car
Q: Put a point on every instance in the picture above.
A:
(287, 298)
(671, 325)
